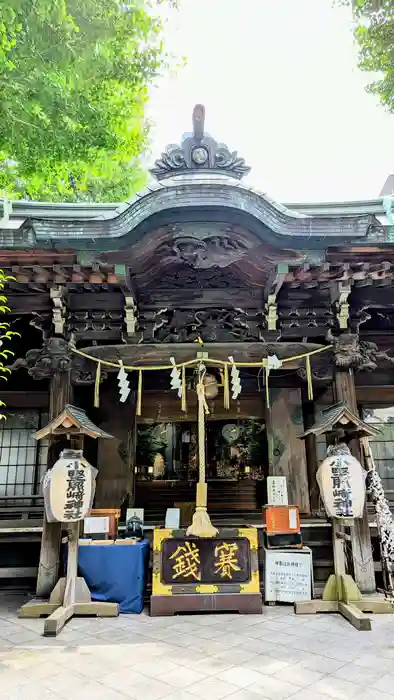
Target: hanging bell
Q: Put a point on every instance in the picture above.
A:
(210, 386)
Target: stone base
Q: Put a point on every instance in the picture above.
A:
(245, 603)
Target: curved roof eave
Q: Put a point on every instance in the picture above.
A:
(23, 209)
(199, 193)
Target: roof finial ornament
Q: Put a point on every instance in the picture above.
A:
(199, 152)
(198, 122)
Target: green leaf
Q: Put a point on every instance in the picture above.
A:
(74, 80)
(374, 34)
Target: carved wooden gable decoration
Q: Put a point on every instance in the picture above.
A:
(197, 256)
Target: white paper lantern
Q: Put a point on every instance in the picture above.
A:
(69, 488)
(341, 480)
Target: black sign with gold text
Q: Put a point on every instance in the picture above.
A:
(205, 560)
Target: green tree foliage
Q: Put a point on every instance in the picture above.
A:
(375, 35)
(74, 78)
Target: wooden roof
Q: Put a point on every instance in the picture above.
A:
(195, 177)
(340, 418)
(72, 421)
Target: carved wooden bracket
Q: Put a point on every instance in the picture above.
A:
(271, 312)
(130, 318)
(340, 293)
(271, 309)
(352, 353)
(55, 357)
(58, 294)
(130, 304)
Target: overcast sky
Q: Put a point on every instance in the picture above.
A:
(280, 85)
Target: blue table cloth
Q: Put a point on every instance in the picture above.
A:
(116, 573)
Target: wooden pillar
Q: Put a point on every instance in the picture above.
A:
(285, 424)
(364, 572)
(311, 452)
(48, 570)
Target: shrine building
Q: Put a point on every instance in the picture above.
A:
(198, 262)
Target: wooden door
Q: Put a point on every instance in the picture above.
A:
(116, 458)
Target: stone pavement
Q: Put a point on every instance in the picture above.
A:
(274, 656)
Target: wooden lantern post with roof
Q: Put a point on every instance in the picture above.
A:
(71, 595)
(341, 594)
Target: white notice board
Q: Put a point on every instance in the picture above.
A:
(277, 491)
(173, 518)
(288, 575)
(96, 525)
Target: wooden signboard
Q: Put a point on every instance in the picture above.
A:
(205, 573)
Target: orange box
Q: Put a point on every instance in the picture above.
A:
(282, 519)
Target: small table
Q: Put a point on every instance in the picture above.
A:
(116, 572)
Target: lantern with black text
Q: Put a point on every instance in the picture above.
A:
(69, 488)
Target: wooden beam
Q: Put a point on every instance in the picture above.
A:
(157, 353)
(48, 570)
(23, 303)
(18, 571)
(90, 301)
(364, 573)
(311, 452)
(23, 399)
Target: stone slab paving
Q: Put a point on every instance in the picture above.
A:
(213, 657)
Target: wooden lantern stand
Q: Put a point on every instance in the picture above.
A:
(341, 593)
(71, 595)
